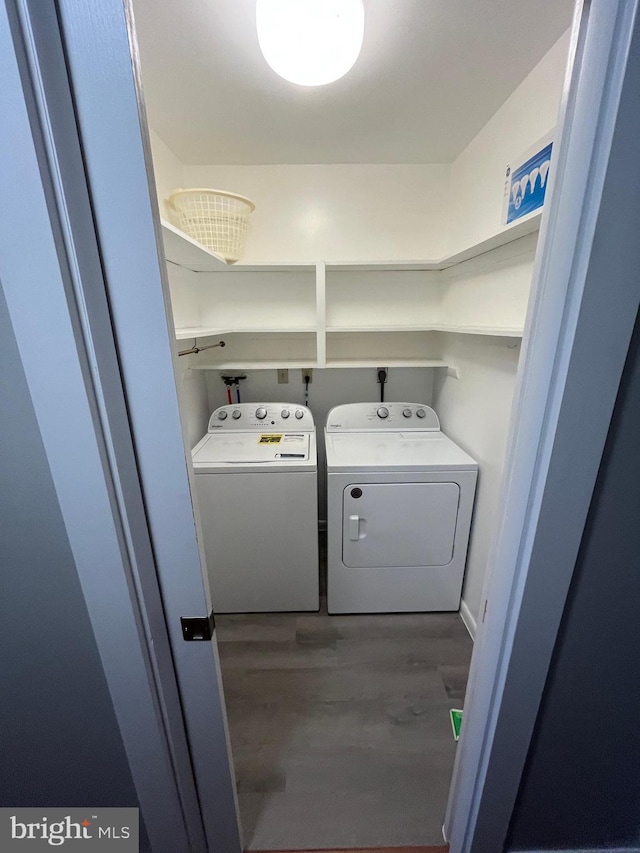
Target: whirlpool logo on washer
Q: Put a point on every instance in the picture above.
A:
(72, 829)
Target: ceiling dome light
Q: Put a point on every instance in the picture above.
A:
(310, 42)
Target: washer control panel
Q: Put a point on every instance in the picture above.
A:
(359, 417)
(268, 417)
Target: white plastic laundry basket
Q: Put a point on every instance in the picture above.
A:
(217, 219)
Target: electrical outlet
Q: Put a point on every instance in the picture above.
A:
(283, 376)
(384, 371)
(307, 374)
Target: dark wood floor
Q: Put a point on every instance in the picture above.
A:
(340, 726)
(439, 848)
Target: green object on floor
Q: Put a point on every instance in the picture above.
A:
(456, 722)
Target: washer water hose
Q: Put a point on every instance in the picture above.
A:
(233, 382)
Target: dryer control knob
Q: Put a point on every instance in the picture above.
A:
(285, 413)
(299, 414)
(421, 413)
(383, 412)
(236, 414)
(261, 413)
(407, 413)
(222, 416)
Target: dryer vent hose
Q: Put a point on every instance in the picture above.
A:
(382, 378)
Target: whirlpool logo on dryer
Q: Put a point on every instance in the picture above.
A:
(74, 829)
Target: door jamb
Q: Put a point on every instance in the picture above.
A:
(68, 356)
(576, 338)
(56, 289)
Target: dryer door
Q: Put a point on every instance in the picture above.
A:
(399, 524)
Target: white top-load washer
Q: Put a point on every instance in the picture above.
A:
(256, 483)
(400, 498)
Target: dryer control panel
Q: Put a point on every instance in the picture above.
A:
(266, 417)
(363, 417)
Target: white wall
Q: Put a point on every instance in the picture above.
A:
(477, 175)
(192, 390)
(338, 213)
(324, 212)
(168, 172)
(474, 411)
(329, 388)
(192, 394)
(491, 290)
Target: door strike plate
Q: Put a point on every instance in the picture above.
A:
(197, 627)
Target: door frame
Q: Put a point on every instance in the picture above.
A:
(103, 281)
(85, 289)
(575, 345)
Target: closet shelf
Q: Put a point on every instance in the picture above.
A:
(273, 310)
(182, 250)
(502, 238)
(383, 361)
(331, 362)
(400, 327)
(497, 331)
(186, 332)
(190, 332)
(255, 365)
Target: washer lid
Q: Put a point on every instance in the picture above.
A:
(262, 451)
(395, 451)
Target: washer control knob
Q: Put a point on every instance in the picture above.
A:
(407, 413)
(421, 413)
(236, 414)
(285, 413)
(222, 416)
(383, 412)
(261, 413)
(299, 414)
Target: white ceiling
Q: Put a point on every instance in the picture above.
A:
(430, 75)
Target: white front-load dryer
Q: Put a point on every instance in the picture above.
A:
(256, 485)
(400, 498)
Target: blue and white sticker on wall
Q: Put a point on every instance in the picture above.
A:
(526, 184)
